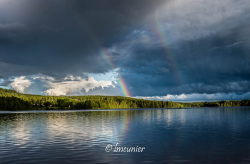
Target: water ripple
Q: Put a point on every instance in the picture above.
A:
(217, 135)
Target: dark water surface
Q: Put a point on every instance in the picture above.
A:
(202, 135)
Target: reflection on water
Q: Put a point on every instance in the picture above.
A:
(208, 135)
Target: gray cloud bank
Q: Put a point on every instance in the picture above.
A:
(196, 97)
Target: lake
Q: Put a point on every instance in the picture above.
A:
(197, 135)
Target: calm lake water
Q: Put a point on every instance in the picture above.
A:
(201, 135)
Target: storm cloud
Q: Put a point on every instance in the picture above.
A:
(63, 36)
(194, 47)
(165, 47)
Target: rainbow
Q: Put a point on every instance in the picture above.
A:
(124, 87)
(169, 57)
(107, 57)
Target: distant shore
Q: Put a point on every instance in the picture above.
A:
(13, 101)
(105, 110)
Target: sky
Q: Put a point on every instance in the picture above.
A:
(178, 50)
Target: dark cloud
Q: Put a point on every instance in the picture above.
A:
(160, 47)
(215, 64)
(65, 36)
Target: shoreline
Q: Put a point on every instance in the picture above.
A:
(100, 110)
(14, 101)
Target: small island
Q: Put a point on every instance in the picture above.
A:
(12, 100)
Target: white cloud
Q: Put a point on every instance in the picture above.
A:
(98, 84)
(75, 86)
(42, 77)
(199, 97)
(20, 84)
(71, 78)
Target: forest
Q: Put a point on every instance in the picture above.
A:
(12, 100)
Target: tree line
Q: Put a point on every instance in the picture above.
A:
(12, 100)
